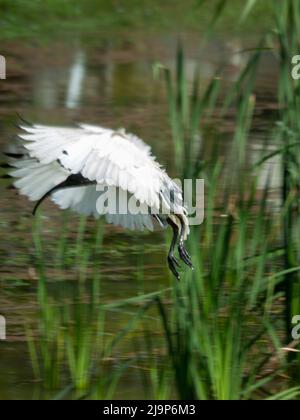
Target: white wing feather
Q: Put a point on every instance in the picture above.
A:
(36, 179)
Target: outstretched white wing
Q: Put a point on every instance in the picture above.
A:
(100, 156)
(113, 158)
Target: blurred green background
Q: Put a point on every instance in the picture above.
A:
(48, 18)
(92, 311)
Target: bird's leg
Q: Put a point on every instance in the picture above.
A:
(172, 261)
(184, 256)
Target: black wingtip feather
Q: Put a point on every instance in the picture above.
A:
(14, 155)
(5, 166)
(23, 120)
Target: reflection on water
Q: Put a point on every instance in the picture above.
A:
(75, 85)
(270, 171)
(110, 85)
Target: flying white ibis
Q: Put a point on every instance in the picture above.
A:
(71, 164)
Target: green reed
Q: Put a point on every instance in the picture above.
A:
(215, 348)
(287, 17)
